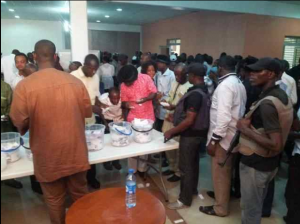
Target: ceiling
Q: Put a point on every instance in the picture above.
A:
(132, 14)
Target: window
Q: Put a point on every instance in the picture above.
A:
(292, 50)
(174, 46)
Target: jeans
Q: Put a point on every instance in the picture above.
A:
(254, 187)
(189, 168)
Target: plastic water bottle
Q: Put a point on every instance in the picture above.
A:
(131, 189)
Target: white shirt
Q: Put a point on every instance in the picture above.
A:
(113, 112)
(106, 73)
(139, 69)
(8, 68)
(291, 89)
(297, 142)
(93, 87)
(228, 106)
(163, 83)
(16, 81)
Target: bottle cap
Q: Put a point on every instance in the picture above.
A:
(131, 170)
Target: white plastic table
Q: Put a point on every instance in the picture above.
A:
(24, 167)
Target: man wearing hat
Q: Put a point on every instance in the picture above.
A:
(163, 82)
(264, 132)
(191, 121)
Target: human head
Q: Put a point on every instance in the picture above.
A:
(149, 68)
(75, 65)
(30, 57)
(134, 60)
(286, 65)
(30, 69)
(91, 65)
(242, 69)
(114, 95)
(180, 73)
(15, 52)
(199, 59)
(123, 59)
(196, 73)
(209, 60)
(183, 57)
(264, 72)
(105, 59)
(145, 58)
(190, 59)
(128, 75)
(163, 62)
(226, 65)
(44, 53)
(223, 54)
(21, 60)
(115, 57)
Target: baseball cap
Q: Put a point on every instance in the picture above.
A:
(173, 57)
(197, 69)
(266, 64)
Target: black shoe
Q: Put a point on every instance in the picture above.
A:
(165, 163)
(14, 184)
(211, 194)
(168, 173)
(108, 166)
(95, 184)
(117, 165)
(209, 210)
(37, 189)
(142, 175)
(268, 215)
(174, 179)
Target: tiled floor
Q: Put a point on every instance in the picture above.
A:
(25, 207)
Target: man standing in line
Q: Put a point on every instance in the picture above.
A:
(191, 121)
(53, 105)
(145, 58)
(8, 67)
(88, 75)
(228, 106)
(264, 133)
(20, 60)
(179, 88)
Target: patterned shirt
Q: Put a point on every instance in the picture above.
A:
(141, 88)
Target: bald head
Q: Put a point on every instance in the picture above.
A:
(44, 51)
(145, 58)
(180, 73)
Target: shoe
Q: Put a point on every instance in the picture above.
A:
(168, 173)
(177, 205)
(142, 174)
(211, 194)
(174, 179)
(36, 187)
(95, 184)
(165, 163)
(266, 215)
(108, 166)
(14, 184)
(208, 210)
(117, 165)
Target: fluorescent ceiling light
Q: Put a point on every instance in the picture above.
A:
(178, 8)
(3, 2)
(107, 16)
(11, 10)
(119, 10)
(17, 17)
(98, 21)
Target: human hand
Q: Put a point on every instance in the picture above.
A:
(169, 134)
(211, 149)
(141, 101)
(242, 124)
(128, 106)
(159, 95)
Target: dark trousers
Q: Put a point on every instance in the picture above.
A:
(91, 174)
(268, 202)
(189, 168)
(292, 193)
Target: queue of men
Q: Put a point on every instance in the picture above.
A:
(252, 101)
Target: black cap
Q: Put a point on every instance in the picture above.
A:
(197, 69)
(163, 59)
(266, 64)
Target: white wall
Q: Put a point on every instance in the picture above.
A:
(23, 34)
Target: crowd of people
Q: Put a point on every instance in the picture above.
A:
(243, 111)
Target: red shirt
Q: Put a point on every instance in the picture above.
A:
(141, 88)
